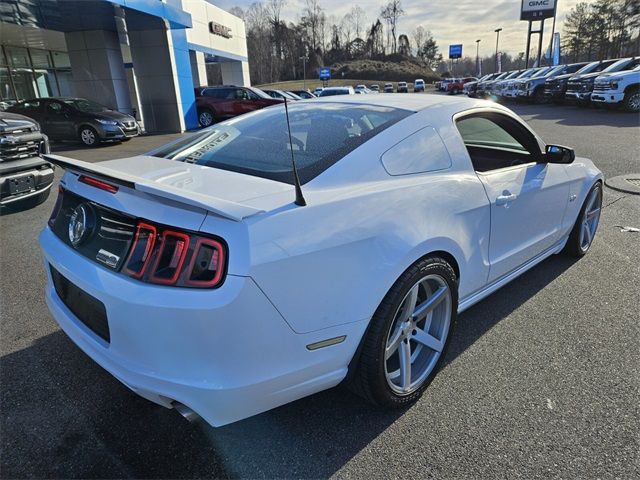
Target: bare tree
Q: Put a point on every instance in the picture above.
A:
(346, 29)
(313, 17)
(418, 37)
(237, 11)
(392, 12)
(358, 18)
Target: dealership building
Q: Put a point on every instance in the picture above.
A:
(142, 57)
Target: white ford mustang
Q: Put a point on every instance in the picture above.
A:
(197, 276)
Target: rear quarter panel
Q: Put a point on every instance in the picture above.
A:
(333, 261)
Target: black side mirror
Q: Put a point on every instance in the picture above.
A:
(559, 154)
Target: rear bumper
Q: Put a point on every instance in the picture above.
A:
(607, 97)
(41, 171)
(227, 354)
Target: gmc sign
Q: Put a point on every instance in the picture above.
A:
(217, 29)
(537, 9)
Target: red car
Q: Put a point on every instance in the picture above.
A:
(457, 85)
(227, 101)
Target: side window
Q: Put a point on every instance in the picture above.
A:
(55, 108)
(497, 141)
(227, 93)
(240, 94)
(211, 92)
(633, 64)
(251, 95)
(28, 107)
(423, 151)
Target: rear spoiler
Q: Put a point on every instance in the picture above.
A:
(219, 206)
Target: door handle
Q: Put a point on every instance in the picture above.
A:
(505, 198)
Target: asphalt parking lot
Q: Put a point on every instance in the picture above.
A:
(542, 378)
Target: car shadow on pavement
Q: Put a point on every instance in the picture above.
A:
(63, 416)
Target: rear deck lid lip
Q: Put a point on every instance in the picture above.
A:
(180, 182)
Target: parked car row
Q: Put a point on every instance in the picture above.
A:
(613, 82)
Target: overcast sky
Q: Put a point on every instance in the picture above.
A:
(451, 21)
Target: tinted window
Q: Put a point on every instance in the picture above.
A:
(625, 64)
(574, 68)
(55, 107)
(258, 143)
(86, 106)
(496, 141)
(330, 92)
(213, 93)
(222, 93)
(28, 106)
(482, 131)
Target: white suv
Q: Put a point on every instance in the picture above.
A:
(619, 88)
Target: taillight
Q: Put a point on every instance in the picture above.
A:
(56, 207)
(141, 250)
(207, 263)
(170, 258)
(94, 182)
(165, 256)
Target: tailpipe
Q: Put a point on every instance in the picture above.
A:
(186, 412)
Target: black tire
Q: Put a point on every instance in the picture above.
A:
(368, 378)
(206, 117)
(88, 136)
(573, 247)
(538, 96)
(631, 102)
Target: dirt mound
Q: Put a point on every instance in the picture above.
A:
(404, 70)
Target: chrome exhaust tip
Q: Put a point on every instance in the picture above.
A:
(186, 412)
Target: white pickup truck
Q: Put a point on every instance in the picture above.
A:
(619, 88)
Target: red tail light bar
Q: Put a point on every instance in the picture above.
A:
(140, 252)
(177, 258)
(94, 182)
(166, 256)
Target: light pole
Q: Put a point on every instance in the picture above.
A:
(497, 30)
(478, 57)
(304, 59)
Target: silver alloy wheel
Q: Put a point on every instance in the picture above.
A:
(205, 119)
(418, 334)
(590, 218)
(87, 136)
(634, 102)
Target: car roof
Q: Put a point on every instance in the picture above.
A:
(407, 101)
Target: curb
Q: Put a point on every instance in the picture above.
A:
(629, 183)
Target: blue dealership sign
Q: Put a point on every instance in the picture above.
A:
(455, 51)
(325, 73)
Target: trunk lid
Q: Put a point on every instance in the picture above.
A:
(231, 195)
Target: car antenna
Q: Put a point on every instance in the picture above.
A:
(299, 197)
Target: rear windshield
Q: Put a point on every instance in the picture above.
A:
(258, 143)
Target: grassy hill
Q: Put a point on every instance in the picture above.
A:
(397, 71)
(313, 83)
(367, 72)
